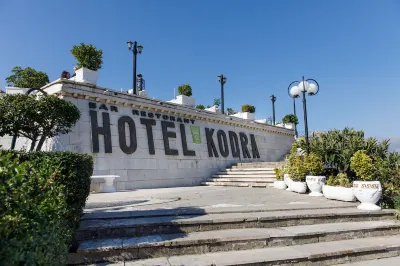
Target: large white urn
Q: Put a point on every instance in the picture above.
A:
(368, 193)
(288, 181)
(315, 184)
(338, 193)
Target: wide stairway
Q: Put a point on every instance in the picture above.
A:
(259, 174)
(193, 236)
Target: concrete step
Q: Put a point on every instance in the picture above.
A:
(244, 176)
(253, 166)
(235, 170)
(258, 164)
(135, 227)
(236, 184)
(224, 240)
(241, 179)
(267, 173)
(328, 253)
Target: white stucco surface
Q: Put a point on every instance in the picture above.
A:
(141, 169)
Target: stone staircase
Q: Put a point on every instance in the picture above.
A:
(192, 236)
(258, 174)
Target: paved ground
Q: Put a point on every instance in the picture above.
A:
(211, 199)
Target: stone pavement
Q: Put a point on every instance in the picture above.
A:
(231, 226)
(210, 199)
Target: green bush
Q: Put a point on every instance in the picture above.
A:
(278, 173)
(42, 196)
(297, 169)
(363, 166)
(313, 164)
(200, 106)
(340, 180)
(248, 108)
(290, 119)
(88, 56)
(185, 89)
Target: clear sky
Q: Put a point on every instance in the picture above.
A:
(352, 48)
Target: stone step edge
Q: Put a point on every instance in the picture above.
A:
(191, 211)
(96, 245)
(241, 179)
(285, 216)
(235, 184)
(244, 175)
(239, 170)
(334, 252)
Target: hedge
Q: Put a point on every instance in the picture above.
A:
(42, 195)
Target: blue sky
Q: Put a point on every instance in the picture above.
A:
(350, 47)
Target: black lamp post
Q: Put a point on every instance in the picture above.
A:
(294, 105)
(135, 49)
(273, 99)
(222, 80)
(312, 88)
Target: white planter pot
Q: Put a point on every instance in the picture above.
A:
(315, 184)
(368, 193)
(338, 193)
(289, 125)
(86, 75)
(279, 184)
(280, 125)
(185, 100)
(299, 187)
(287, 180)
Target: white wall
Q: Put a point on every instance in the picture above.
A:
(142, 169)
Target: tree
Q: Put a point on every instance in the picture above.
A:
(27, 78)
(88, 56)
(200, 106)
(217, 101)
(185, 89)
(230, 111)
(36, 118)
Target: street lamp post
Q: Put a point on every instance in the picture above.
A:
(294, 105)
(222, 80)
(273, 99)
(310, 86)
(135, 48)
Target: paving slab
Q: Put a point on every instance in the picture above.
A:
(207, 198)
(394, 261)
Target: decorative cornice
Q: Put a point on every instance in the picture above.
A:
(125, 103)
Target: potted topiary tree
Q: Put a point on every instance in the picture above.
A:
(89, 62)
(289, 121)
(248, 111)
(279, 183)
(338, 188)
(368, 192)
(298, 171)
(315, 181)
(185, 93)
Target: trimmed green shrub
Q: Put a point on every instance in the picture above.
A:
(297, 169)
(88, 56)
(278, 173)
(313, 165)
(362, 165)
(290, 119)
(185, 89)
(248, 108)
(200, 106)
(340, 180)
(42, 195)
